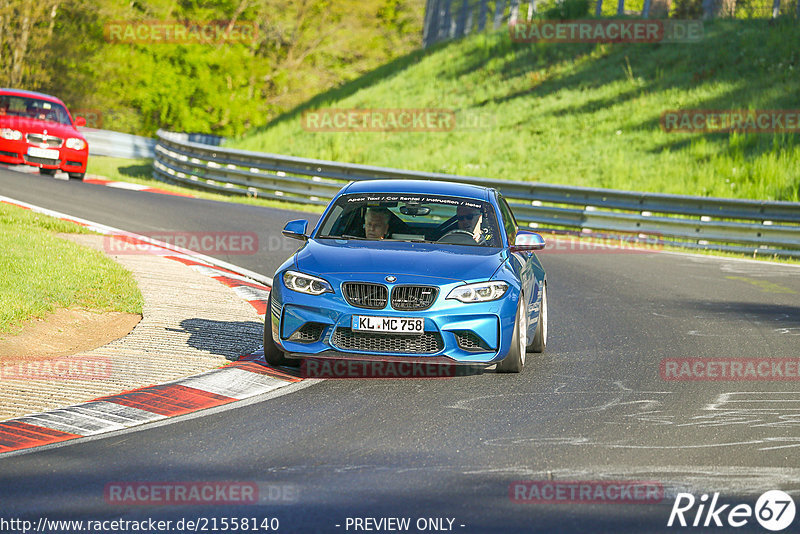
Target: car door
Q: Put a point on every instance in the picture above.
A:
(523, 262)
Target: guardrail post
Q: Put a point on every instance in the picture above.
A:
(461, 24)
(513, 14)
(500, 7)
(483, 11)
(447, 21)
(430, 23)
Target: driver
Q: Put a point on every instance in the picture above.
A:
(376, 223)
(35, 113)
(469, 220)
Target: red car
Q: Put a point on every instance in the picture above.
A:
(37, 130)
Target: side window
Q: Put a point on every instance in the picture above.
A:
(509, 222)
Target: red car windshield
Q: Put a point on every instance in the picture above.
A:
(33, 108)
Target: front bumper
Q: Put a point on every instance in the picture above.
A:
(69, 160)
(308, 326)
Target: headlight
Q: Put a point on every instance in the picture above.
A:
(11, 135)
(480, 292)
(305, 283)
(75, 144)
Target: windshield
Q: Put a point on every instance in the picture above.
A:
(33, 108)
(414, 218)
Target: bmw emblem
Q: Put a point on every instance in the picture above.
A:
(391, 279)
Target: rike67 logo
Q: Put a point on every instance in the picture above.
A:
(774, 510)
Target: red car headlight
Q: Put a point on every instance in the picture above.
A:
(11, 135)
(75, 144)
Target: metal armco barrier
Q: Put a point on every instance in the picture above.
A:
(117, 144)
(122, 145)
(765, 228)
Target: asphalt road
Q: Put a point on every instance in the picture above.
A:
(593, 407)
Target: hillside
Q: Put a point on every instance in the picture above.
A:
(578, 114)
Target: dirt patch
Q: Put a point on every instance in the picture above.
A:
(65, 332)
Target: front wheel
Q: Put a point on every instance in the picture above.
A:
(272, 353)
(515, 359)
(76, 175)
(47, 172)
(539, 342)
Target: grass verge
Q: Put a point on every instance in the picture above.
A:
(40, 272)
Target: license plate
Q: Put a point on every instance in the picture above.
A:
(42, 153)
(395, 325)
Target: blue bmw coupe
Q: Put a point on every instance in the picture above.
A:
(415, 271)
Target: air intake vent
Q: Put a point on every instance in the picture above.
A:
(413, 298)
(470, 341)
(366, 295)
(308, 333)
(347, 340)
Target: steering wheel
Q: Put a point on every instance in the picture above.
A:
(457, 237)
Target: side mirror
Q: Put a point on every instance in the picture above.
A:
(80, 121)
(296, 229)
(526, 240)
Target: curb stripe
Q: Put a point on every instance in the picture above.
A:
(232, 382)
(253, 367)
(169, 399)
(250, 293)
(235, 282)
(15, 435)
(15, 204)
(259, 305)
(134, 187)
(188, 261)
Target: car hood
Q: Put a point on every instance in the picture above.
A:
(401, 259)
(26, 125)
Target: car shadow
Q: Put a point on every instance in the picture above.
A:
(231, 339)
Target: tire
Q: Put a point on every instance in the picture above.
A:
(272, 353)
(539, 342)
(515, 359)
(76, 175)
(47, 172)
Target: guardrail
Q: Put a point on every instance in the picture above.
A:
(122, 145)
(769, 228)
(117, 144)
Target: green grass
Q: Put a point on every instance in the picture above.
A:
(577, 114)
(140, 171)
(40, 271)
